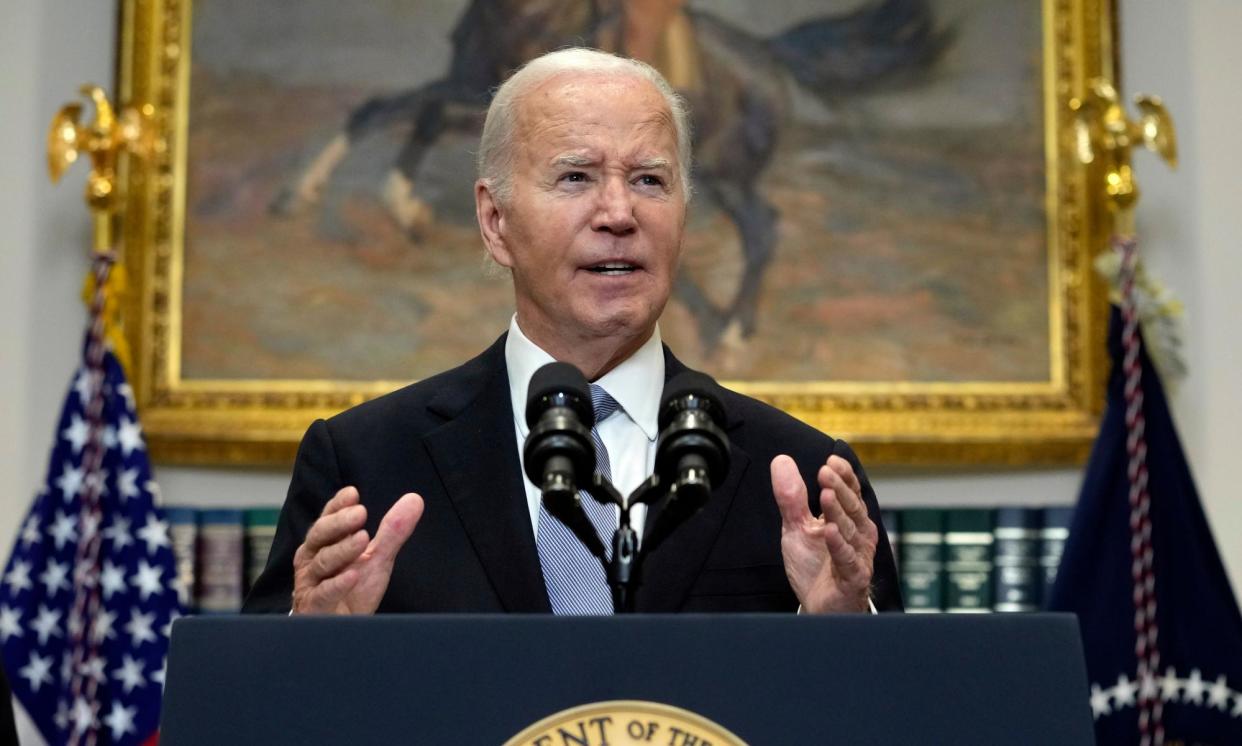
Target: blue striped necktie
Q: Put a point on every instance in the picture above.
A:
(574, 577)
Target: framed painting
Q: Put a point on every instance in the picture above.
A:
(890, 236)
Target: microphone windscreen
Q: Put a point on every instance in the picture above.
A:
(690, 383)
(558, 378)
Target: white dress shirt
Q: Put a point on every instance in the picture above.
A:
(629, 434)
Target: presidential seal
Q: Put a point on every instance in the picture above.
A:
(625, 723)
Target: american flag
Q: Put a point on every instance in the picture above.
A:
(89, 593)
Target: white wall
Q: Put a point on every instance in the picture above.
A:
(1182, 49)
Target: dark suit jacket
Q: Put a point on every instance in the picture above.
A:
(451, 439)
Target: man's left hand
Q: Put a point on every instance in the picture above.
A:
(828, 559)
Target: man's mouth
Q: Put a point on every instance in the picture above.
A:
(613, 268)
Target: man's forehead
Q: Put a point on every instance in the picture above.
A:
(573, 96)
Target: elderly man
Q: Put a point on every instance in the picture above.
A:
(583, 183)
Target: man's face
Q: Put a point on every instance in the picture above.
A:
(593, 228)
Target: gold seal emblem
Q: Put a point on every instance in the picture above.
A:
(622, 723)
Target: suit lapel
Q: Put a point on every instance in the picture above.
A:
(670, 571)
(475, 454)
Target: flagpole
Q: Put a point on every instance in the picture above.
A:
(1105, 134)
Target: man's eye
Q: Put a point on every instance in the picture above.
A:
(574, 177)
(650, 180)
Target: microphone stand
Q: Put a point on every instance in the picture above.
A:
(624, 570)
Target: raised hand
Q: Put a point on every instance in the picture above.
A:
(829, 559)
(340, 569)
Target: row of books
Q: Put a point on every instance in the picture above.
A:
(969, 560)
(956, 560)
(220, 553)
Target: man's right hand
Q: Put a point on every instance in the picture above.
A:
(340, 569)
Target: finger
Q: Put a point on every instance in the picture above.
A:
(331, 528)
(334, 558)
(844, 468)
(847, 562)
(790, 492)
(839, 475)
(329, 594)
(343, 498)
(833, 513)
(396, 528)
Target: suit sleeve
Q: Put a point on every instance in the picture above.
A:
(885, 583)
(316, 478)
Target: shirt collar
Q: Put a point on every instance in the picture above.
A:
(636, 383)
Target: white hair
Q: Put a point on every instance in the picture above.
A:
(496, 152)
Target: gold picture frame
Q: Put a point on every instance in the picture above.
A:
(218, 421)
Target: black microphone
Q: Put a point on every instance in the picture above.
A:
(559, 454)
(692, 455)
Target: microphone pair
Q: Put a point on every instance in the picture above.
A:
(692, 452)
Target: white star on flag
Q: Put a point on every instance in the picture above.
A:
(139, 627)
(155, 534)
(112, 578)
(120, 720)
(1194, 688)
(118, 532)
(64, 529)
(82, 385)
(30, 532)
(126, 391)
(1170, 686)
(18, 578)
(97, 482)
(127, 484)
(1218, 694)
(158, 676)
(94, 668)
(37, 671)
(147, 579)
(83, 715)
(70, 481)
(47, 624)
(166, 630)
(10, 623)
(1099, 701)
(101, 627)
(77, 433)
(1123, 693)
(109, 438)
(130, 436)
(55, 577)
(130, 674)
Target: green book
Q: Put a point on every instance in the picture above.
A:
(922, 559)
(968, 560)
(1018, 575)
(260, 531)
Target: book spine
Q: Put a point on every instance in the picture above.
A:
(183, 533)
(1018, 574)
(220, 561)
(968, 561)
(1055, 531)
(922, 559)
(260, 531)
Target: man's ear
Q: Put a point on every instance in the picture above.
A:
(491, 223)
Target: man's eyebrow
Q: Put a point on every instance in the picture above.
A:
(576, 160)
(653, 164)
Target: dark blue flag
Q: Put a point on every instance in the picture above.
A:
(89, 592)
(1194, 636)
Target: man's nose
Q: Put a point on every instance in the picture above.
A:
(615, 211)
